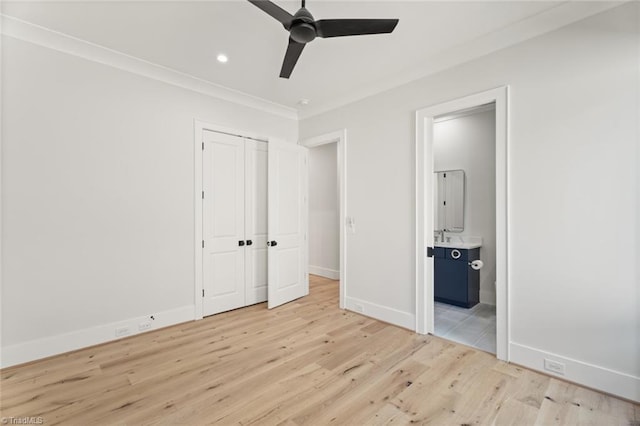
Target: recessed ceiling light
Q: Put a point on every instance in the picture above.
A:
(222, 58)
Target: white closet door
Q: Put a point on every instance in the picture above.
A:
(287, 223)
(223, 224)
(256, 221)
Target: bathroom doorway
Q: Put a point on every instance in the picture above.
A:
(458, 241)
(464, 214)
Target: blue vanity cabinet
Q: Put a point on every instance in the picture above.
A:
(455, 282)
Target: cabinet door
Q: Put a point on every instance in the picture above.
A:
(450, 281)
(223, 223)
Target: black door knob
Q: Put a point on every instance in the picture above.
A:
(249, 242)
(240, 243)
(272, 243)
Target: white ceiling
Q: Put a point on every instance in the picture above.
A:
(187, 36)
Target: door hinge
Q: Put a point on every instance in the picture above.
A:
(203, 292)
(202, 243)
(203, 146)
(203, 195)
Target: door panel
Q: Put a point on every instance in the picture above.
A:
(223, 224)
(256, 221)
(287, 218)
(289, 261)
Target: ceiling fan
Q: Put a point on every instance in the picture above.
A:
(303, 29)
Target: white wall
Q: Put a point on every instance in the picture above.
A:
(98, 197)
(469, 143)
(324, 211)
(572, 197)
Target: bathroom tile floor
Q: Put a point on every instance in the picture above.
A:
(474, 327)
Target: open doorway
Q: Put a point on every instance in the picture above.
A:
(426, 187)
(324, 212)
(327, 208)
(465, 226)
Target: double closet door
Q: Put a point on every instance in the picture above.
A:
(254, 222)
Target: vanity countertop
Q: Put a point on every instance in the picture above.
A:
(465, 243)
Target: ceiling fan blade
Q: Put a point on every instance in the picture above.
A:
(275, 11)
(350, 27)
(291, 57)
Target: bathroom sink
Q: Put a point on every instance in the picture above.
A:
(466, 243)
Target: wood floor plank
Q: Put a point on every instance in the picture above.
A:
(304, 363)
(389, 414)
(356, 408)
(514, 412)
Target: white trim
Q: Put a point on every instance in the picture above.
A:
(79, 339)
(424, 157)
(198, 205)
(381, 313)
(1, 198)
(324, 139)
(340, 137)
(593, 376)
(465, 113)
(42, 36)
(332, 274)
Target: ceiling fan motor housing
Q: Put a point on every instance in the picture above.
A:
(302, 28)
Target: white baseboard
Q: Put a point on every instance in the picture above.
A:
(324, 272)
(55, 345)
(382, 313)
(593, 376)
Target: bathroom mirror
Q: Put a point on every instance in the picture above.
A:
(450, 194)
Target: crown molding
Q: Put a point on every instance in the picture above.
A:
(549, 20)
(544, 22)
(42, 36)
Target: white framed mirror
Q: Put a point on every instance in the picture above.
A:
(450, 197)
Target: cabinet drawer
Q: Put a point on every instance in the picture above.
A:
(464, 254)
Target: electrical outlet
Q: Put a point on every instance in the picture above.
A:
(122, 331)
(554, 366)
(359, 307)
(144, 326)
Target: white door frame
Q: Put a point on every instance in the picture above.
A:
(199, 127)
(424, 230)
(340, 137)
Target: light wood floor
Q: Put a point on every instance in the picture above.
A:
(303, 363)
